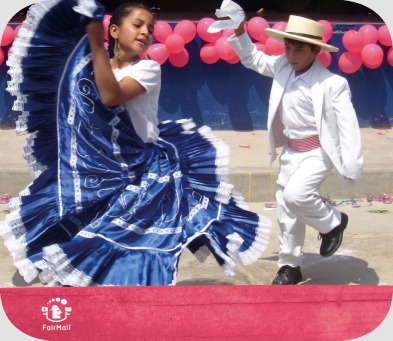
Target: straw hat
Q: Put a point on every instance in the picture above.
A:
(302, 29)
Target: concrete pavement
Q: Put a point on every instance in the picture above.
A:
(364, 257)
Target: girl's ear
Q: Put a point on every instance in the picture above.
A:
(114, 31)
(317, 49)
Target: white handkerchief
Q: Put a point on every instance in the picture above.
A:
(228, 9)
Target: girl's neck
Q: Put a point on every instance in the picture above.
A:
(120, 64)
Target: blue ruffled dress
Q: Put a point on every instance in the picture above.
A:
(107, 208)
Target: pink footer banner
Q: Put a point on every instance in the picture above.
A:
(197, 312)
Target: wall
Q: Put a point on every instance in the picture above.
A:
(231, 97)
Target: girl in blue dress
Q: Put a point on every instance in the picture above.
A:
(118, 196)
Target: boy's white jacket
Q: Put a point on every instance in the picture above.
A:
(336, 120)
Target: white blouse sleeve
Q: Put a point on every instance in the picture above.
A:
(145, 72)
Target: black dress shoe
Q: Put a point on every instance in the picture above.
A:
(331, 241)
(288, 275)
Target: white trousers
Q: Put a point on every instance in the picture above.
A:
(299, 203)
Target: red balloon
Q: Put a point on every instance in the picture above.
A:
(174, 43)
(327, 30)
(370, 34)
(325, 58)
(274, 47)
(158, 52)
(8, 36)
(105, 23)
(202, 27)
(353, 41)
(384, 36)
(224, 49)
(389, 56)
(1, 56)
(261, 47)
(186, 29)
(162, 30)
(179, 59)
(208, 54)
(233, 60)
(256, 28)
(280, 25)
(372, 55)
(350, 62)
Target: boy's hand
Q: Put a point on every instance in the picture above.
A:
(240, 30)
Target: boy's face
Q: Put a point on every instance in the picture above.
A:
(300, 55)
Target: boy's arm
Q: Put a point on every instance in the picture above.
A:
(249, 56)
(348, 126)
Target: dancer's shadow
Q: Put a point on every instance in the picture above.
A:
(337, 269)
(18, 281)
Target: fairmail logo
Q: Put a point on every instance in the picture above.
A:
(56, 310)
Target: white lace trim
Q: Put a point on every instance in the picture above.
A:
(86, 7)
(150, 230)
(117, 149)
(18, 52)
(65, 273)
(197, 208)
(13, 233)
(258, 246)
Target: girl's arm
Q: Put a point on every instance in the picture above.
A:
(111, 91)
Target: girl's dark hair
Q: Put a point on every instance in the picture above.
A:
(118, 15)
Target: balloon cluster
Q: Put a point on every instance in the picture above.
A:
(363, 48)
(218, 47)
(7, 39)
(171, 43)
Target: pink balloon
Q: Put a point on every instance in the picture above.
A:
(208, 53)
(389, 56)
(179, 59)
(105, 23)
(8, 36)
(384, 36)
(280, 25)
(224, 49)
(143, 56)
(174, 43)
(370, 34)
(274, 47)
(233, 60)
(372, 55)
(256, 28)
(228, 32)
(325, 58)
(158, 52)
(373, 66)
(327, 30)
(350, 62)
(1, 57)
(353, 41)
(202, 27)
(162, 30)
(261, 47)
(186, 29)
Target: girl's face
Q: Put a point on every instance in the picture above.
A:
(300, 55)
(135, 34)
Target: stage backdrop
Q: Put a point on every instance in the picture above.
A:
(230, 97)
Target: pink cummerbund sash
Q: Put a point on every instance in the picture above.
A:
(304, 145)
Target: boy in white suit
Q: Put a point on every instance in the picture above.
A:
(311, 116)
